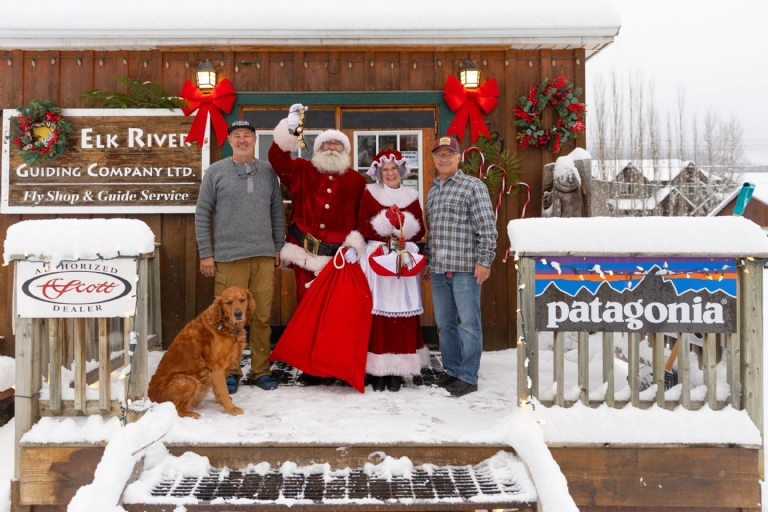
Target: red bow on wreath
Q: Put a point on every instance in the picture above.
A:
(467, 104)
(222, 97)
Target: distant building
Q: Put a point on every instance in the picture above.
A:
(756, 210)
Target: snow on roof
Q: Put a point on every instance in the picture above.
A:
(663, 236)
(55, 240)
(662, 170)
(147, 24)
(760, 193)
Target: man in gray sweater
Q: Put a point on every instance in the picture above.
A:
(243, 196)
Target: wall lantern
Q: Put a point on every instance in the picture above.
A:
(470, 74)
(206, 76)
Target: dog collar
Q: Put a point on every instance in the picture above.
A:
(233, 331)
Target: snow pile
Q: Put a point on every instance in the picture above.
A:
(92, 429)
(389, 468)
(160, 465)
(125, 448)
(55, 240)
(685, 236)
(7, 372)
(564, 167)
(117, 379)
(580, 154)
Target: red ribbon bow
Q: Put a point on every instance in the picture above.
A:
(467, 104)
(222, 97)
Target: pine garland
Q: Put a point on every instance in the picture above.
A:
(140, 95)
(494, 163)
(39, 114)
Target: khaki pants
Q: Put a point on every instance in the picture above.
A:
(255, 274)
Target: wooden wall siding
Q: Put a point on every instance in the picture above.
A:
(59, 77)
(756, 211)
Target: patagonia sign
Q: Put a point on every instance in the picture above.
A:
(635, 294)
(102, 289)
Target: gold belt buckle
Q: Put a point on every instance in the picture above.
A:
(311, 244)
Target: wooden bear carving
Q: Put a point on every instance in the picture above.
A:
(566, 186)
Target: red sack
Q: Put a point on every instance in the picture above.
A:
(328, 334)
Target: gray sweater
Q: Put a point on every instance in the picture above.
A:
(245, 224)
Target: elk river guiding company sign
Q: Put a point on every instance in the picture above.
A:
(635, 294)
(102, 289)
(116, 161)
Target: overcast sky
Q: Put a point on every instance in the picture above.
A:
(715, 49)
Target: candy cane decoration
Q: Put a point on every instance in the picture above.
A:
(522, 215)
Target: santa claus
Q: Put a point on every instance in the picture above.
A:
(325, 193)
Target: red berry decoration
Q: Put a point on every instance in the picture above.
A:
(563, 97)
(46, 117)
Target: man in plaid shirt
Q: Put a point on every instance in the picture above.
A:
(460, 249)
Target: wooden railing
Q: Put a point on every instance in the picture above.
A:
(44, 345)
(743, 353)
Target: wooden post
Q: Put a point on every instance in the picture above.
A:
(658, 367)
(526, 326)
(584, 367)
(559, 369)
(608, 355)
(26, 398)
(127, 329)
(751, 333)
(634, 368)
(79, 366)
(157, 316)
(54, 364)
(105, 354)
(709, 364)
(684, 367)
(734, 369)
(139, 379)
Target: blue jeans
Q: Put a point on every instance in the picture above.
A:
(460, 344)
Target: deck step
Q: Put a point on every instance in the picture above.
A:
(497, 483)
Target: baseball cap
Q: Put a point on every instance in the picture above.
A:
(240, 123)
(446, 142)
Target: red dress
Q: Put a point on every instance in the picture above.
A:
(396, 346)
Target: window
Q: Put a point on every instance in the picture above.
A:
(265, 140)
(627, 189)
(408, 142)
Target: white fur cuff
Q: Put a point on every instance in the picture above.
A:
(411, 226)
(293, 254)
(283, 137)
(397, 364)
(382, 226)
(356, 240)
(380, 223)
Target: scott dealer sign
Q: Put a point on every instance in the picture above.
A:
(103, 289)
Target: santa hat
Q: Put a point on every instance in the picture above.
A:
(332, 135)
(388, 155)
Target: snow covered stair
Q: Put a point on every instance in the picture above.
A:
(500, 481)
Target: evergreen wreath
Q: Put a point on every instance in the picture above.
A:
(561, 95)
(38, 115)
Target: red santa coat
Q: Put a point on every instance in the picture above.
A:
(396, 346)
(325, 205)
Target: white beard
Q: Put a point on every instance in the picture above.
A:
(331, 161)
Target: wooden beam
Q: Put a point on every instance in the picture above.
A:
(734, 369)
(634, 368)
(127, 328)
(608, 357)
(79, 365)
(54, 363)
(527, 305)
(559, 369)
(105, 378)
(751, 333)
(25, 399)
(658, 367)
(709, 365)
(584, 367)
(684, 367)
(139, 379)
(91, 407)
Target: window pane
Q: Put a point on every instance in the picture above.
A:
(366, 150)
(263, 141)
(309, 151)
(387, 142)
(409, 143)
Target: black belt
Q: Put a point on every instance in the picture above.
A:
(311, 244)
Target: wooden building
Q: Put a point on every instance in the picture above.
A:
(373, 83)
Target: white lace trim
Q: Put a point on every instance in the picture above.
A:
(398, 314)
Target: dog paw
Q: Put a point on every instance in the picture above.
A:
(189, 414)
(234, 411)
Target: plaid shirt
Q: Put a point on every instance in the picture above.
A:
(462, 228)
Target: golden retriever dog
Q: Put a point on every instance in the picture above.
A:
(203, 353)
